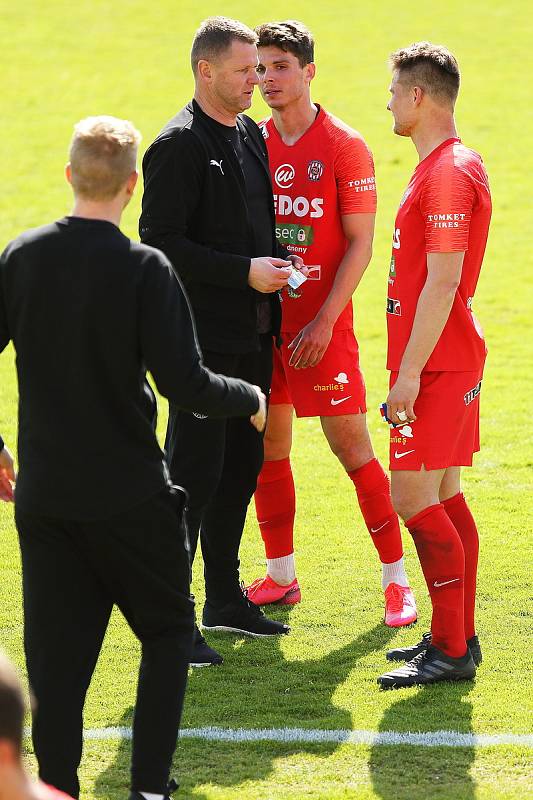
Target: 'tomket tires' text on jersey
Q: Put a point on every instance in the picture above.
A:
(328, 172)
(446, 208)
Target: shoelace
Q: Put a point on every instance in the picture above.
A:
(394, 597)
(251, 606)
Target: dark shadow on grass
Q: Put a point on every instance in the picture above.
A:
(402, 772)
(256, 688)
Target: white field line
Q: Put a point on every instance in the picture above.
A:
(315, 735)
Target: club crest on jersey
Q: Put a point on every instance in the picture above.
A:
(315, 170)
(284, 176)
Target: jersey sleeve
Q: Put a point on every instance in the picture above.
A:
(446, 204)
(354, 174)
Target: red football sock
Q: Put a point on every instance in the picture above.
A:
(373, 492)
(442, 559)
(275, 506)
(463, 521)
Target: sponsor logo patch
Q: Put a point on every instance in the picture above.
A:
(394, 307)
(284, 176)
(472, 394)
(292, 233)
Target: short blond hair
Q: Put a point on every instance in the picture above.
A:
(103, 154)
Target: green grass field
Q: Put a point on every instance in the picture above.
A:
(63, 61)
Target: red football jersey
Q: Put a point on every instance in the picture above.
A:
(328, 172)
(446, 208)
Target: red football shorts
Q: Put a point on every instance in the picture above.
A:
(333, 388)
(446, 431)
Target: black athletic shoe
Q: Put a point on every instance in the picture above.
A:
(172, 787)
(241, 616)
(430, 666)
(202, 655)
(408, 653)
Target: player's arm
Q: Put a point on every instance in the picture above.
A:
(171, 353)
(432, 312)
(312, 341)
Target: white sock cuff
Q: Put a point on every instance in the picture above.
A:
(282, 570)
(394, 573)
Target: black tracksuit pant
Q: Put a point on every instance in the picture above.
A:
(218, 461)
(73, 574)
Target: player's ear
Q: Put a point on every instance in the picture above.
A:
(310, 72)
(68, 173)
(418, 94)
(204, 70)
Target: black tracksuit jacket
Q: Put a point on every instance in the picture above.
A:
(195, 210)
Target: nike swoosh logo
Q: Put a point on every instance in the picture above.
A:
(375, 530)
(342, 399)
(401, 455)
(443, 583)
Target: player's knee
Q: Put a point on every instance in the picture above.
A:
(277, 447)
(401, 502)
(351, 452)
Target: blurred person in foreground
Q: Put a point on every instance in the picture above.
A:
(89, 312)
(15, 783)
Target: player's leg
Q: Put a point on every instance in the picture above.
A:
(275, 501)
(461, 517)
(143, 559)
(66, 611)
(349, 440)
(227, 608)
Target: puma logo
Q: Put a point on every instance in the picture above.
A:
(218, 164)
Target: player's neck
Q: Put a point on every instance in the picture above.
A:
(427, 138)
(292, 121)
(214, 109)
(92, 209)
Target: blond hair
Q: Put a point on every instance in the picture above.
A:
(103, 154)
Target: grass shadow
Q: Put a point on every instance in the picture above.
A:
(401, 772)
(254, 689)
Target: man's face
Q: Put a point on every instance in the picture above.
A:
(234, 76)
(282, 80)
(401, 106)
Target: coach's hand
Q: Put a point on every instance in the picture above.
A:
(7, 475)
(269, 274)
(298, 263)
(310, 344)
(258, 419)
(402, 398)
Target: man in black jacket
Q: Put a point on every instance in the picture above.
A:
(208, 205)
(89, 311)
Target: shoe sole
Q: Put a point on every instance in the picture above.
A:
(227, 629)
(290, 599)
(401, 624)
(197, 664)
(446, 679)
